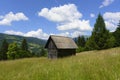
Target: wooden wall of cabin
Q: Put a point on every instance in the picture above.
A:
(66, 52)
(52, 51)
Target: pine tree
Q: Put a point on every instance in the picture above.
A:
(100, 33)
(3, 50)
(24, 45)
(117, 35)
(81, 41)
(90, 44)
(111, 42)
(24, 52)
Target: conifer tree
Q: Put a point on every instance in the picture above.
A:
(117, 35)
(100, 35)
(81, 41)
(3, 50)
(24, 52)
(90, 44)
(24, 45)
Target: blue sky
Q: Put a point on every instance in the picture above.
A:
(41, 18)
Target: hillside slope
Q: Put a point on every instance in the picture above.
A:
(91, 65)
(34, 43)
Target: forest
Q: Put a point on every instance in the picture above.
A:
(100, 39)
(15, 51)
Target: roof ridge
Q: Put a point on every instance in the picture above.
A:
(59, 36)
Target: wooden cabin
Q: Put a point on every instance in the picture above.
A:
(59, 46)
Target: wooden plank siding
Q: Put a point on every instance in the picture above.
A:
(52, 50)
(66, 52)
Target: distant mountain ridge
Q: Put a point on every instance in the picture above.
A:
(34, 43)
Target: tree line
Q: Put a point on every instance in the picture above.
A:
(101, 38)
(13, 51)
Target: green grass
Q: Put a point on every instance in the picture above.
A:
(91, 65)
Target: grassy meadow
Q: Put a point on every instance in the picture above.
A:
(91, 65)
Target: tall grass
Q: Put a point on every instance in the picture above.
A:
(91, 65)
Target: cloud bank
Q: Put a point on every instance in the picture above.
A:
(111, 20)
(38, 33)
(67, 18)
(10, 17)
(42, 35)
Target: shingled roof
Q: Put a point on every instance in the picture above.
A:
(62, 42)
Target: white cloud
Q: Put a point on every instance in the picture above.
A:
(63, 13)
(111, 20)
(92, 15)
(38, 33)
(81, 25)
(64, 34)
(115, 16)
(76, 34)
(106, 3)
(10, 17)
(14, 32)
(67, 18)
(70, 34)
(110, 26)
